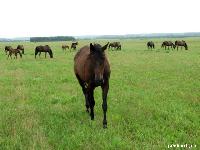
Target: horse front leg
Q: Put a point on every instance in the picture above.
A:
(84, 89)
(91, 102)
(105, 89)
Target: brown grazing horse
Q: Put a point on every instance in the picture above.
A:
(73, 45)
(92, 69)
(168, 44)
(64, 47)
(45, 49)
(150, 45)
(115, 45)
(21, 47)
(182, 44)
(15, 52)
(7, 49)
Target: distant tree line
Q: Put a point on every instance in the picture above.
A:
(56, 38)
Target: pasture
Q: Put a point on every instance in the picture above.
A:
(153, 101)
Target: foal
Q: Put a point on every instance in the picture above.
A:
(92, 69)
(15, 52)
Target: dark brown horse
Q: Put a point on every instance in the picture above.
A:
(168, 44)
(182, 44)
(21, 47)
(150, 45)
(15, 52)
(73, 45)
(92, 69)
(7, 49)
(64, 47)
(115, 45)
(45, 49)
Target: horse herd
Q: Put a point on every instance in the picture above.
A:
(112, 45)
(91, 68)
(46, 49)
(169, 44)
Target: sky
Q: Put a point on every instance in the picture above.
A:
(29, 18)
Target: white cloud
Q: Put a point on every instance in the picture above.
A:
(88, 17)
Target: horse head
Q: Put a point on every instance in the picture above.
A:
(97, 55)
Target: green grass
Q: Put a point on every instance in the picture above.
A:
(153, 101)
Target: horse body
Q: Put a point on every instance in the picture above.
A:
(115, 45)
(64, 47)
(92, 69)
(168, 44)
(73, 45)
(7, 49)
(15, 52)
(150, 45)
(182, 44)
(45, 49)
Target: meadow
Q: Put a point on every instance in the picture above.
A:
(153, 101)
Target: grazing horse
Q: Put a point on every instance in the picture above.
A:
(45, 49)
(15, 52)
(115, 45)
(21, 47)
(92, 69)
(168, 44)
(182, 44)
(150, 45)
(64, 47)
(73, 45)
(7, 49)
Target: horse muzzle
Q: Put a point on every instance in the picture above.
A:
(98, 82)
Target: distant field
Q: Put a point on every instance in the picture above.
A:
(153, 101)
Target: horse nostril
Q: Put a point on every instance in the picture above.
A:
(99, 82)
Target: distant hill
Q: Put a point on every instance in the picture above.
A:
(151, 35)
(14, 39)
(127, 36)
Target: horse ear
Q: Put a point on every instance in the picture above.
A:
(105, 47)
(91, 47)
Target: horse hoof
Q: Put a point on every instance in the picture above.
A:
(105, 126)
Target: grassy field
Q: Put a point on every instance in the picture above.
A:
(153, 101)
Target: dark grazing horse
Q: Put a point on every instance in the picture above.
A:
(73, 45)
(64, 47)
(150, 45)
(115, 45)
(21, 47)
(45, 49)
(92, 69)
(7, 49)
(168, 44)
(182, 44)
(15, 52)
